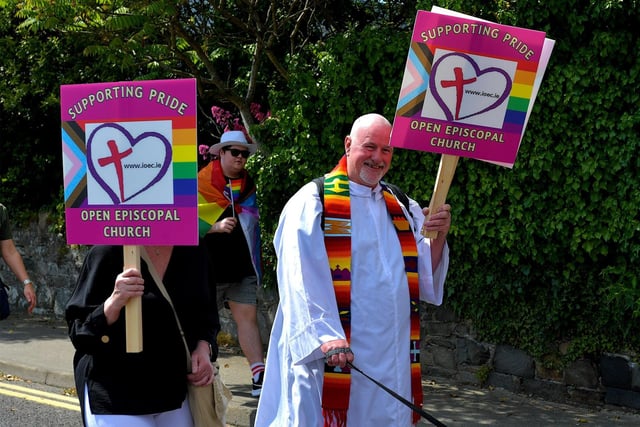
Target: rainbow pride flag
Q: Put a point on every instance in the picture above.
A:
(234, 187)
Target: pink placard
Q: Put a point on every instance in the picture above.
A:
(468, 87)
(130, 162)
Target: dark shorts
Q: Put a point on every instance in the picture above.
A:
(243, 292)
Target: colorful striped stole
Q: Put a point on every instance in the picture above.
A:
(337, 237)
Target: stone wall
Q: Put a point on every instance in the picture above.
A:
(51, 263)
(450, 348)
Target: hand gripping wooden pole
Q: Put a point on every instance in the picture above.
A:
(133, 309)
(446, 171)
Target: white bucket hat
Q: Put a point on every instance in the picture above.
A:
(232, 137)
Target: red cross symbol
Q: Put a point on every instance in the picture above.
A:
(116, 158)
(459, 83)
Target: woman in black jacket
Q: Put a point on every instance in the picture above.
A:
(119, 388)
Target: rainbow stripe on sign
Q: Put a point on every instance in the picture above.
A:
(185, 162)
(518, 104)
(468, 87)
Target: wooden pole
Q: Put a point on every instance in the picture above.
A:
(446, 171)
(133, 309)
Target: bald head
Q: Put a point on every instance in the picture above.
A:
(368, 150)
(368, 121)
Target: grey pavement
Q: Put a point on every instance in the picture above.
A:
(37, 348)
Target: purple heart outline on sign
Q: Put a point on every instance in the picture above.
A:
(125, 166)
(456, 77)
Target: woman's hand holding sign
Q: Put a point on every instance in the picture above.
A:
(129, 284)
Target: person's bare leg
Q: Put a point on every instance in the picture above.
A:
(245, 316)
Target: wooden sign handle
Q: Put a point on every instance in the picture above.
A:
(133, 309)
(446, 171)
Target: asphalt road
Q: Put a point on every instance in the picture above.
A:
(25, 403)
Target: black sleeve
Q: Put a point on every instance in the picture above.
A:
(84, 312)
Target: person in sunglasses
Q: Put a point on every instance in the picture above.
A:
(228, 218)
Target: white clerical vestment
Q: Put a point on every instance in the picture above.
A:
(307, 315)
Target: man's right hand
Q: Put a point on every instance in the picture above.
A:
(337, 353)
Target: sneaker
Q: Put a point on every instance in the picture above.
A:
(257, 385)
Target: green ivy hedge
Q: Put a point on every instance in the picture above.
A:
(544, 255)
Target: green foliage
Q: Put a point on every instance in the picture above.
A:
(483, 373)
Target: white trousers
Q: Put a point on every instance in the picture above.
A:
(180, 417)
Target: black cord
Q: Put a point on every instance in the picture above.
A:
(417, 409)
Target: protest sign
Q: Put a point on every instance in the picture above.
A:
(468, 90)
(130, 162)
(130, 166)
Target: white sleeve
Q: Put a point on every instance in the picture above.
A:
(307, 297)
(431, 282)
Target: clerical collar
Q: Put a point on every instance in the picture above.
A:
(360, 190)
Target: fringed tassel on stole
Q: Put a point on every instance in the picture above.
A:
(335, 417)
(335, 396)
